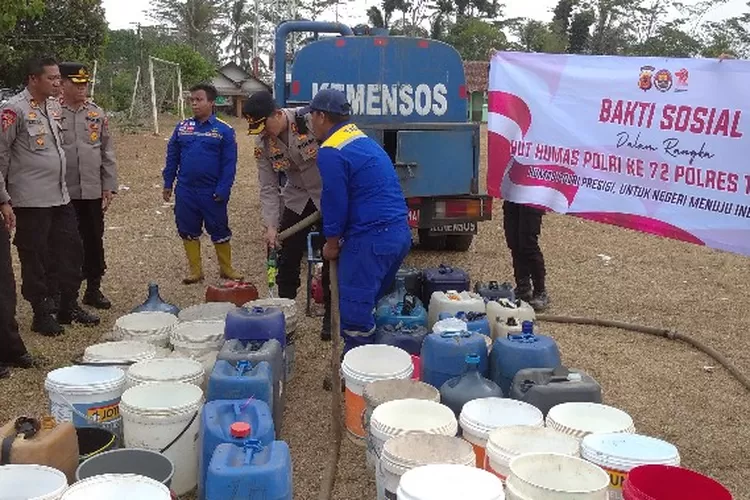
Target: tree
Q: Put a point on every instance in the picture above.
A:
(579, 38)
(194, 67)
(198, 22)
(536, 36)
(669, 41)
(473, 39)
(13, 10)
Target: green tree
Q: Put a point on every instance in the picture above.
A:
(13, 10)
(198, 22)
(473, 39)
(194, 67)
(669, 41)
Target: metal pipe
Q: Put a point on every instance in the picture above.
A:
(282, 30)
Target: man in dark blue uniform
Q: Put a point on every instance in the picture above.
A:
(202, 156)
(364, 214)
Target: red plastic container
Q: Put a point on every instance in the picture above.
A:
(665, 482)
(237, 292)
(417, 362)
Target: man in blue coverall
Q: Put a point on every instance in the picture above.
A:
(202, 156)
(364, 214)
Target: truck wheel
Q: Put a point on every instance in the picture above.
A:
(430, 242)
(459, 242)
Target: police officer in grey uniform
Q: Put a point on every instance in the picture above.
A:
(91, 174)
(32, 162)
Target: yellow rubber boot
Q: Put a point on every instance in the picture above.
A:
(224, 254)
(193, 252)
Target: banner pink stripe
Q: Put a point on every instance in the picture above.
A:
(511, 106)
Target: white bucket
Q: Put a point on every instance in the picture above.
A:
(365, 364)
(553, 476)
(185, 370)
(31, 482)
(123, 350)
(118, 487)
(153, 327)
(403, 453)
(618, 453)
(581, 419)
(479, 417)
(88, 396)
(506, 443)
(155, 415)
(449, 482)
(408, 416)
(198, 340)
(210, 311)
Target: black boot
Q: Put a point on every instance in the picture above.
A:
(44, 320)
(325, 329)
(94, 296)
(70, 311)
(540, 301)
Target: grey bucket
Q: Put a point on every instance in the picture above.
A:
(129, 461)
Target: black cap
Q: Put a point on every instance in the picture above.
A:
(329, 100)
(256, 109)
(75, 72)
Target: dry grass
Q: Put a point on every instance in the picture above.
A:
(648, 280)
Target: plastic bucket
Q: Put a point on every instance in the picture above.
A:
(449, 482)
(618, 453)
(118, 487)
(129, 461)
(552, 476)
(506, 443)
(210, 311)
(123, 350)
(153, 327)
(664, 482)
(581, 419)
(88, 396)
(479, 417)
(93, 441)
(404, 453)
(185, 370)
(165, 417)
(365, 364)
(406, 416)
(31, 482)
(382, 391)
(198, 340)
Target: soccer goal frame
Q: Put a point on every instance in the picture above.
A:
(152, 84)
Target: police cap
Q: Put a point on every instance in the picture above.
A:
(75, 72)
(256, 109)
(329, 101)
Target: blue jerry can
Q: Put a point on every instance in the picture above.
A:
(258, 323)
(241, 380)
(444, 355)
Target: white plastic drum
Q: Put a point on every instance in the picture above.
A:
(552, 476)
(154, 327)
(449, 482)
(123, 350)
(31, 482)
(118, 487)
(198, 340)
(581, 419)
(189, 371)
(210, 311)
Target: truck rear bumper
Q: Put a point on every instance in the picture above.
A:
(449, 214)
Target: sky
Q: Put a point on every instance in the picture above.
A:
(121, 13)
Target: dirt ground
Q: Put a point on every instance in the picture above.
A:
(672, 391)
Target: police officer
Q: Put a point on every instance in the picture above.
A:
(91, 174)
(523, 225)
(364, 214)
(32, 162)
(202, 156)
(284, 147)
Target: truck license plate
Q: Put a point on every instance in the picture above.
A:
(413, 217)
(459, 227)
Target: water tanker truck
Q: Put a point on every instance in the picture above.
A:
(409, 94)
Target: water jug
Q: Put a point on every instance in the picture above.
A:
(502, 309)
(250, 471)
(442, 279)
(256, 323)
(231, 421)
(453, 302)
(475, 321)
(236, 292)
(400, 308)
(443, 355)
(525, 350)
(154, 302)
(547, 387)
(255, 351)
(412, 278)
(408, 338)
(458, 391)
(241, 380)
(503, 329)
(494, 290)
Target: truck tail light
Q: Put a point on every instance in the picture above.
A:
(462, 92)
(457, 209)
(295, 87)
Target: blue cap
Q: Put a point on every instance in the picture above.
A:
(328, 100)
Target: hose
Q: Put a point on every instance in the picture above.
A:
(657, 332)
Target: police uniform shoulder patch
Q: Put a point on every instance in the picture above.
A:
(7, 118)
(258, 152)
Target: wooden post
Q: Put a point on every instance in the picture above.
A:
(180, 99)
(93, 80)
(153, 95)
(135, 89)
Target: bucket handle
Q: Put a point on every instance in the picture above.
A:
(78, 360)
(75, 410)
(452, 334)
(182, 432)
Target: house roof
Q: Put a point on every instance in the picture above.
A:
(246, 76)
(477, 75)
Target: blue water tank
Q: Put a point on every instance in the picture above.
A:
(154, 302)
(517, 352)
(408, 338)
(231, 421)
(475, 321)
(250, 472)
(400, 308)
(443, 279)
(241, 380)
(444, 354)
(257, 323)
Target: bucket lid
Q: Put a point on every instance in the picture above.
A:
(381, 391)
(586, 418)
(85, 378)
(207, 312)
(625, 451)
(409, 415)
(372, 362)
(168, 398)
(672, 483)
(449, 482)
(121, 350)
(480, 416)
(508, 442)
(23, 481)
(534, 474)
(166, 369)
(117, 487)
(146, 321)
(413, 450)
(199, 331)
